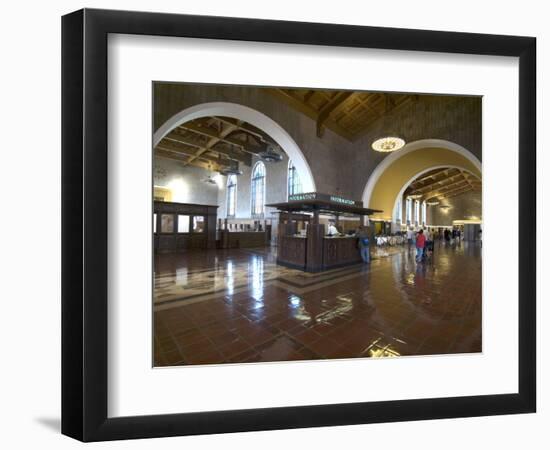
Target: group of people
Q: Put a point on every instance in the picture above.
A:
(453, 236)
(423, 242)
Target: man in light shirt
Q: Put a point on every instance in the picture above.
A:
(332, 230)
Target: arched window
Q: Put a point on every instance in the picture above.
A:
(258, 189)
(416, 212)
(231, 195)
(294, 183)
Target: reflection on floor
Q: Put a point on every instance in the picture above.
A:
(214, 307)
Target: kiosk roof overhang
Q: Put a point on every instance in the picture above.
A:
(322, 206)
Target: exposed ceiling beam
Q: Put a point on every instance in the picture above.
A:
(245, 158)
(309, 111)
(432, 176)
(192, 154)
(443, 189)
(456, 194)
(181, 142)
(472, 180)
(214, 137)
(308, 95)
(406, 103)
(197, 163)
(442, 183)
(331, 106)
(223, 136)
(461, 189)
(248, 129)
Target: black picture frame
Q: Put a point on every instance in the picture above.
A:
(84, 224)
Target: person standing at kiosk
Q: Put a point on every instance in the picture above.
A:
(364, 244)
(332, 230)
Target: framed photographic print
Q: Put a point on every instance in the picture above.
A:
(274, 224)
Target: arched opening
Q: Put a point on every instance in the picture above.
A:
(391, 177)
(255, 118)
(429, 194)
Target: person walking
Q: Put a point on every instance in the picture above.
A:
(364, 244)
(428, 247)
(420, 244)
(447, 235)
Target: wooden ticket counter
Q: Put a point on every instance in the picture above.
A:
(178, 227)
(243, 239)
(314, 251)
(243, 233)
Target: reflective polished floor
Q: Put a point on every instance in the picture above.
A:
(235, 306)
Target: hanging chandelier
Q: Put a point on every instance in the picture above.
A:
(388, 140)
(270, 155)
(231, 169)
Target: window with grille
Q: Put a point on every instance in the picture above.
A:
(231, 195)
(294, 183)
(258, 189)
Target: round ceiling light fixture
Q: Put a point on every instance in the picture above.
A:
(388, 144)
(432, 203)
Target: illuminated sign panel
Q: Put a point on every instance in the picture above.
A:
(323, 197)
(299, 197)
(341, 200)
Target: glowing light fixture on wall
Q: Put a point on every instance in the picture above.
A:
(388, 140)
(214, 179)
(209, 180)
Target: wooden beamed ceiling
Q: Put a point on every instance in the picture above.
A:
(350, 114)
(213, 143)
(442, 184)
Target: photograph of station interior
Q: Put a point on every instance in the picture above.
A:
(249, 183)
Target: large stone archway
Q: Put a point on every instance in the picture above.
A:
(251, 116)
(396, 171)
(419, 174)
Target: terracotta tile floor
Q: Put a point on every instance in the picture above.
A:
(238, 306)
